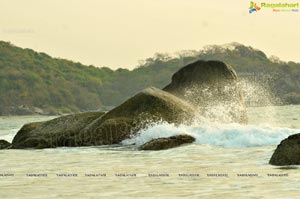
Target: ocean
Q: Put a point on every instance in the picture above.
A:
(226, 161)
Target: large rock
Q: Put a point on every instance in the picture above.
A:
(54, 133)
(167, 143)
(287, 152)
(90, 129)
(213, 87)
(124, 121)
(4, 144)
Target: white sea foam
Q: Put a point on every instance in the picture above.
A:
(225, 135)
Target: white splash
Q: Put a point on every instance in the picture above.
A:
(225, 135)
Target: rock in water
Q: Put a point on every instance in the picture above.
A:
(150, 105)
(167, 143)
(287, 152)
(24, 132)
(209, 88)
(54, 133)
(213, 87)
(4, 144)
(90, 129)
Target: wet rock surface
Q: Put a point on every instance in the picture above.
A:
(287, 152)
(148, 106)
(212, 86)
(54, 133)
(167, 143)
(4, 144)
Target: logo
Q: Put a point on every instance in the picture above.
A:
(253, 7)
(275, 7)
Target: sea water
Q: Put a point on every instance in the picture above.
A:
(226, 161)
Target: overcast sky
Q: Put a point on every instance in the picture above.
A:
(118, 33)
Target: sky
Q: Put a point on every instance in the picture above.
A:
(119, 33)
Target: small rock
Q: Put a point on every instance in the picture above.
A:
(167, 143)
(287, 152)
(4, 144)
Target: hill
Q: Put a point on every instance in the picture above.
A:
(32, 82)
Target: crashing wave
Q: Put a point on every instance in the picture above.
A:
(225, 135)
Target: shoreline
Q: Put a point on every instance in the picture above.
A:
(63, 114)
